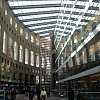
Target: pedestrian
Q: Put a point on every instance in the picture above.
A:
(70, 94)
(43, 94)
(38, 92)
(79, 95)
(6, 94)
(31, 95)
(13, 94)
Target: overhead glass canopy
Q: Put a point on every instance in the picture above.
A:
(44, 17)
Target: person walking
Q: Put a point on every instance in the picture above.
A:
(38, 91)
(31, 95)
(79, 95)
(70, 94)
(13, 94)
(43, 94)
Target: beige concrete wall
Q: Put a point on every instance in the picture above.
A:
(15, 66)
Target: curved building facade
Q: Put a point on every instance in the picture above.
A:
(20, 59)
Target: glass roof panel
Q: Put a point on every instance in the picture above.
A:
(42, 21)
(35, 10)
(44, 34)
(37, 16)
(56, 16)
(43, 30)
(32, 27)
(33, 2)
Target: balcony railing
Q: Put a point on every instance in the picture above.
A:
(84, 67)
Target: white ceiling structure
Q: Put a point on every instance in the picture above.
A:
(44, 17)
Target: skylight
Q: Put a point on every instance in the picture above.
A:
(42, 21)
(33, 2)
(35, 10)
(56, 16)
(43, 30)
(37, 16)
(34, 27)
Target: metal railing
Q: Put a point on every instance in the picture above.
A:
(86, 95)
(84, 67)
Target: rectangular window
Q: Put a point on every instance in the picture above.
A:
(20, 54)
(21, 31)
(9, 41)
(4, 43)
(15, 50)
(91, 53)
(37, 79)
(37, 41)
(6, 12)
(42, 63)
(26, 35)
(0, 32)
(0, 3)
(32, 38)
(32, 58)
(10, 20)
(26, 56)
(10, 47)
(98, 50)
(37, 60)
(16, 26)
(42, 79)
(62, 60)
(77, 59)
(75, 39)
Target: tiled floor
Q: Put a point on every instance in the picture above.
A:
(23, 97)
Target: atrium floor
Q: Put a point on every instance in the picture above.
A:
(23, 97)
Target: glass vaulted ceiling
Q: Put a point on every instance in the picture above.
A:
(60, 17)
